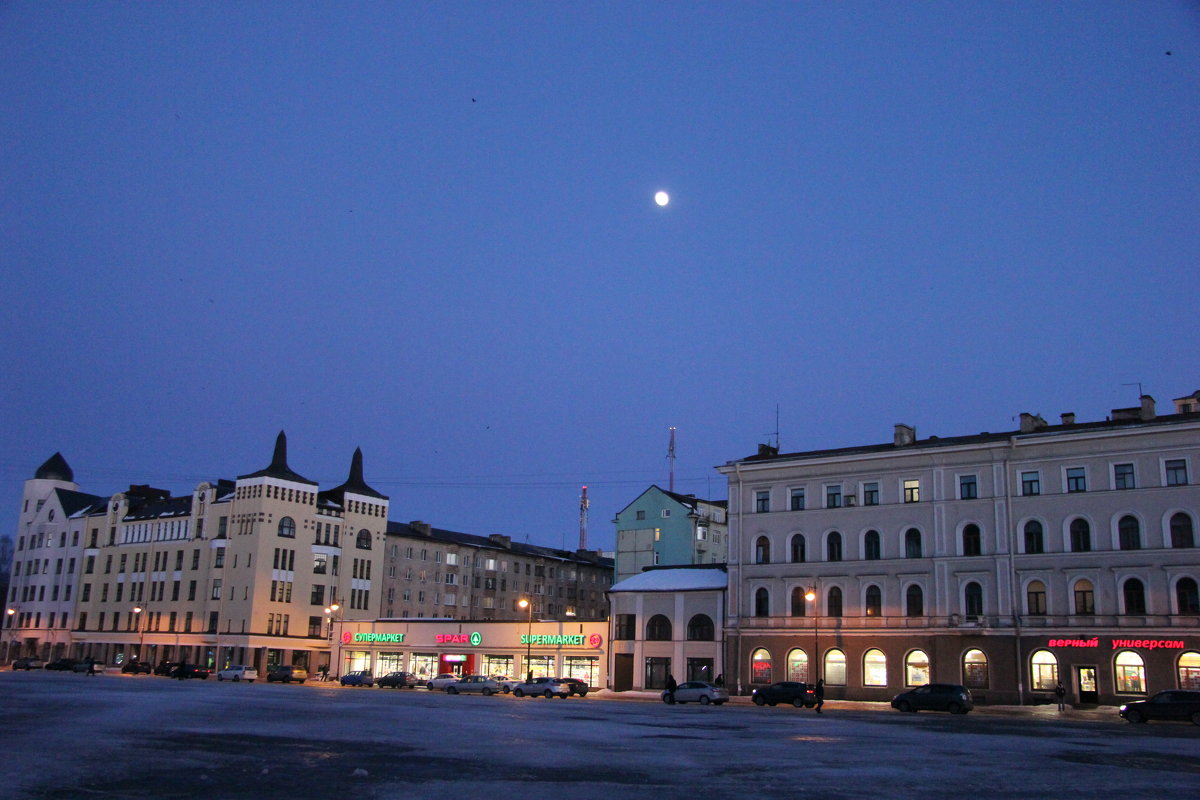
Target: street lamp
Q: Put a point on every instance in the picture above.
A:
(811, 596)
(331, 612)
(12, 636)
(137, 610)
(526, 603)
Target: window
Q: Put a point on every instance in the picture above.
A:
(762, 603)
(874, 668)
(972, 541)
(1129, 533)
(912, 491)
(798, 601)
(287, 528)
(1182, 533)
(762, 501)
(1176, 472)
(835, 668)
(1130, 672)
(916, 668)
(914, 601)
(1081, 536)
(968, 487)
(666, 512)
(798, 548)
(762, 550)
(833, 496)
(1085, 598)
(218, 558)
(873, 601)
(1187, 599)
(641, 514)
(797, 499)
(625, 627)
(1031, 483)
(658, 629)
(1043, 671)
(833, 546)
(973, 600)
(797, 665)
(320, 563)
(363, 541)
(1123, 477)
(975, 669)
(1189, 671)
(700, 628)
(216, 588)
(760, 666)
(1134, 594)
(1034, 540)
(912, 543)
(833, 602)
(870, 494)
(1076, 479)
(871, 547)
(657, 669)
(1035, 599)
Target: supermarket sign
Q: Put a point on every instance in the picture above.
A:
(1118, 644)
(564, 639)
(361, 638)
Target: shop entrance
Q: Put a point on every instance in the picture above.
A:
(623, 672)
(1086, 684)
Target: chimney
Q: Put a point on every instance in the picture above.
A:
(1068, 418)
(502, 541)
(1031, 422)
(1147, 411)
(767, 450)
(904, 435)
(423, 528)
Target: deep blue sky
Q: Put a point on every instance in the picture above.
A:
(428, 229)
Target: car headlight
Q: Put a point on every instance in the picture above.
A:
(1124, 707)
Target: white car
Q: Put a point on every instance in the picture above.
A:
(507, 684)
(701, 692)
(544, 687)
(441, 681)
(238, 673)
(475, 683)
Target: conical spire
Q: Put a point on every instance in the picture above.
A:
(279, 467)
(356, 470)
(354, 483)
(279, 459)
(56, 468)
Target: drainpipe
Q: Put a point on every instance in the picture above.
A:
(1015, 596)
(735, 583)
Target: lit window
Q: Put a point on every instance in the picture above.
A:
(797, 665)
(874, 668)
(1130, 672)
(1044, 669)
(912, 491)
(835, 668)
(975, 669)
(760, 666)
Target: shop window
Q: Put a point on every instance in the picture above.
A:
(1189, 671)
(760, 666)
(699, 669)
(1130, 673)
(762, 603)
(916, 668)
(700, 629)
(658, 629)
(835, 668)
(1043, 671)
(873, 601)
(657, 670)
(874, 668)
(1182, 533)
(975, 669)
(1134, 594)
(1187, 598)
(914, 601)
(797, 665)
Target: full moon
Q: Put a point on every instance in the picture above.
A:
(662, 198)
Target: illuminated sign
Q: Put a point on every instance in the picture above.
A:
(1116, 644)
(595, 640)
(394, 638)
(474, 639)
(1093, 642)
(561, 639)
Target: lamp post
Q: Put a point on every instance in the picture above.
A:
(811, 596)
(10, 613)
(525, 602)
(331, 611)
(137, 612)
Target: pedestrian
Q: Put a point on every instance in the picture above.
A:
(1060, 692)
(720, 682)
(819, 693)
(671, 687)
(91, 662)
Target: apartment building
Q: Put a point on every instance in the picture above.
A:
(662, 528)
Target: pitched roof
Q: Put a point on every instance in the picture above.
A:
(74, 502)
(676, 579)
(55, 468)
(354, 483)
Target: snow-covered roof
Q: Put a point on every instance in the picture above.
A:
(674, 580)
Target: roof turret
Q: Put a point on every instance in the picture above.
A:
(56, 468)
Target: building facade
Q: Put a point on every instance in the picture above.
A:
(1006, 562)
(663, 528)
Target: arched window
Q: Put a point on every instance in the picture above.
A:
(1129, 533)
(1189, 671)
(762, 550)
(835, 668)
(700, 628)
(762, 603)
(1081, 536)
(916, 668)
(973, 600)
(1035, 599)
(975, 669)
(798, 548)
(1135, 596)
(797, 665)
(1187, 599)
(1085, 597)
(363, 542)
(287, 527)
(912, 543)
(760, 666)
(1182, 533)
(972, 541)
(798, 601)
(1043, 668)
(1130, 672)
(1034, 539)
(833, 602)
(873, 601)
(658, 629)
(914, 601)
(874, 668)
(871, 548)
(833, 547)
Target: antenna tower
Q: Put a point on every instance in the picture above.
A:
(583, 509)
(671, 462)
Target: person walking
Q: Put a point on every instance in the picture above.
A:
(1060, 692)
(671, 687)
(819, 692)
(720, 682)
(91, 665)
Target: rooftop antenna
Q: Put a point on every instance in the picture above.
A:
(776, 432)
(583, 509)
(1137, 384)
(671, 462)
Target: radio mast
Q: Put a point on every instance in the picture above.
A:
(671, 461)
(583, 509)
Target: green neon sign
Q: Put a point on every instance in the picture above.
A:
(567, 639)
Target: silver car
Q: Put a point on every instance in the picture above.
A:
(545, 687)
(700, 692)
(475, 683)
(237, 673)
(442, 681)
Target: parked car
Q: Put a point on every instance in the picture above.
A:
(165, 668)
(358, 678)
(546, 687)
(136, 667)
(507, 684)
(801, 695)
(185, 671)
(577, 686)
(238, 673)
(701, 692)
(63, 664)
(475, 683)
(397, 680)
(935, 697)
(1174, 704)
(441, 681)
(28, 663)
(287, 674)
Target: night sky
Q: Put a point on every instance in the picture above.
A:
(429, 230)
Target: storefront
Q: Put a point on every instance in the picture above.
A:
(427, 648)
(1110, 669)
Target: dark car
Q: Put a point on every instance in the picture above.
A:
(63, 664)
(1175, 704)
(578, 687)
(28, 663)
(166, 668)
(287, 674)
(136, 668)
(358, 678)
(185, 671)
(396, 680)
(798, 694)
(935, 697)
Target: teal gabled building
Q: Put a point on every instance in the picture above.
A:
(662, 527)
